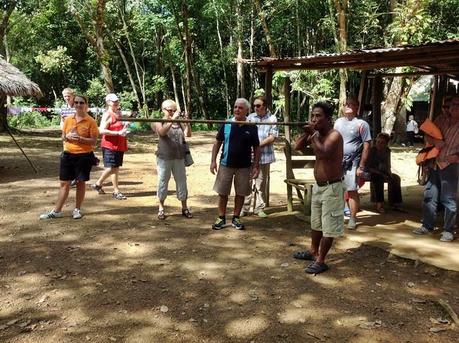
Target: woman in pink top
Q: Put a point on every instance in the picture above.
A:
(114, 144)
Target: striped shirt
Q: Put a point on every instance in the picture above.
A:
(450, 131)
(267, 151)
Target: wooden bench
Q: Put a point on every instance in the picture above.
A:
(295, 160)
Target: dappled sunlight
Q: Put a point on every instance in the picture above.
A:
(246, 327)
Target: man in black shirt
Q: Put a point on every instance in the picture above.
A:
(238, 140)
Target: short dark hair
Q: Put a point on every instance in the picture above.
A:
(384, 136)
(261, 98)
(326, 107)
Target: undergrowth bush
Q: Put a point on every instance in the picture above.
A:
(31, 120)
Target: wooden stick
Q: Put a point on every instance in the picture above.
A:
(207, 121)
(449, 310)
(25, 155)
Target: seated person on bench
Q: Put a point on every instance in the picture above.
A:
(379, 167)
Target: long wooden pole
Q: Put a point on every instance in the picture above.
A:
(207, 121)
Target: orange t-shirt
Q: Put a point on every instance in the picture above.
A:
(87, 127)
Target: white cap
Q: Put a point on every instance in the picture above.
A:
(111, 97)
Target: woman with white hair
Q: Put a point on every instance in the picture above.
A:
(114, 144)
(170, 157)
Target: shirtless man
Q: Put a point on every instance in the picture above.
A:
(327, 219)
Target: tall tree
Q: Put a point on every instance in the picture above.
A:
(90, 17)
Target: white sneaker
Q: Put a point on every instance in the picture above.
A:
(352, 224)
(51, 215)
(262, 214)
(77, 214)
(446, 236)
(243, 214)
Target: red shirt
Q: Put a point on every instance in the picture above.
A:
(115, 143)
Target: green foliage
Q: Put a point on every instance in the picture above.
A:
(54, 61)
(96, 92)
(32, 120)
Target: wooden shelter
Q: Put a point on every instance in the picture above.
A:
(440, 59)
(14, 83)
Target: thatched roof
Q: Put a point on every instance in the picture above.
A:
(14, 83)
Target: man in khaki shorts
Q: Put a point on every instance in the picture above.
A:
(327, 218)
(239, 141)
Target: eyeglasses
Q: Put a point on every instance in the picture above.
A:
(79, 102)
(257, 105)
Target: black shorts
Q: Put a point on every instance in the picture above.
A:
(75, 166)
(112, 159)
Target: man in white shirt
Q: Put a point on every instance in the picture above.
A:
(267, 134)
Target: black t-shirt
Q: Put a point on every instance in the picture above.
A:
(238, 141)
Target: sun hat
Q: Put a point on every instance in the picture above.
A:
(111, 97)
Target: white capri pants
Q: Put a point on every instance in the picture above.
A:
(164, 169)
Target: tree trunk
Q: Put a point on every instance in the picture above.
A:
(264, 25)
(341, 44)
(97, 40)
(5, 17)
(174, 86)
(392, 103)
(222, 59)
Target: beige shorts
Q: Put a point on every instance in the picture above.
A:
(327, 209)
(224, 181)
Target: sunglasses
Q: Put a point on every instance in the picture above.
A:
(79, 102)
(169, 109)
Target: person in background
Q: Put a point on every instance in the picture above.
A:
(79, 135)
(236, 163)
(113, 144)
(68, 109)
(379, 166)
(327, 204)
(441, 187)
(170, 157)
(356, 137)
(267, 134)
(411, 130)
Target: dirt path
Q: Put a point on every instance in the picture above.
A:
(120, 275)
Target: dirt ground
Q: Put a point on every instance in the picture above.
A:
(121, 275)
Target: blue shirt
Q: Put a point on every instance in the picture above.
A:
(238, 141)
(264, 131)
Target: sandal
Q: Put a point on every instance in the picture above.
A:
(186, 213)
(97, 188)
(161, 215)
(316, 268)
(119, 196)
(304, 255)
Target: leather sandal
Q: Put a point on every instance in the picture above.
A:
(186, 213)
(161, 215)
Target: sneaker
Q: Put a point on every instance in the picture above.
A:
(422, 231)
(446, 236)
(97, 188)
(73, 183)
(244, 214)
(236, 223)
(219, 224)
(51, 215)
(347, 212)
(77, 214)
(262, 214)
(352, 224)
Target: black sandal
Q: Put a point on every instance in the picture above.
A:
(161, 215)
(316, 268)
(97, 188)
(304, 255)
(186, 213)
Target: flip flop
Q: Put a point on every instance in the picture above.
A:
(304, 255)
(316, 268)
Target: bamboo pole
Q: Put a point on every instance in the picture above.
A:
(206, 121)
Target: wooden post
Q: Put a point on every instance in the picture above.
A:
(269, 88)
(362, 91)
(286, 91)
(433, 97)
(377, 91)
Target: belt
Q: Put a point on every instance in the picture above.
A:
(329, 182)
